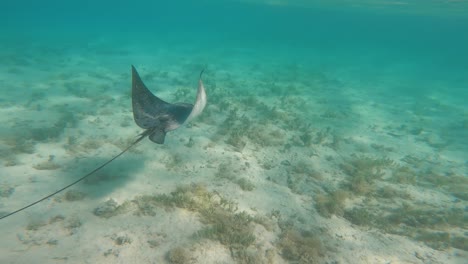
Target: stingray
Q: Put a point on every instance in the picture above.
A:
(151, 113)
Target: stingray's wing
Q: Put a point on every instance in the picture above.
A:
(147, 108)
(200, 101)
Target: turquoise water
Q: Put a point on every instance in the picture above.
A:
(335, 132)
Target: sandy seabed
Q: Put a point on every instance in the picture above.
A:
(288, 164)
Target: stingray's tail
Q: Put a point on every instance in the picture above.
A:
(141, 136)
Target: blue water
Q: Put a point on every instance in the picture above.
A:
(328, 86)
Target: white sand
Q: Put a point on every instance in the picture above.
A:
(104, 126)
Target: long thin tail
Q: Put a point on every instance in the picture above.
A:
(142, 135)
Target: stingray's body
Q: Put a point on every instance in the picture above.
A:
(157, 116)
(151, 113)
